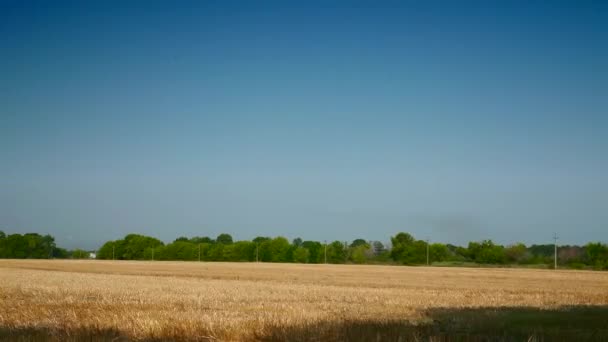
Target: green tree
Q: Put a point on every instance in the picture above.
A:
(105, 252)
(438, 252)
(60, 253)
(279, 248)
(79, 254)
(178, 250)
(359, 253)
(597, 255)
(516, 253)
(135, 246)
(407, 250)
(315, 251)
(336, 253)
(487, 252)
(240, 251)
(358, 242)
(203, 239)
(225, 239)
(261, 239)
(216, 252)
(301, 255)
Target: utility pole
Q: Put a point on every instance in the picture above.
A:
(199, 252)
(326, 251)
(257, 252)
(427, 252)
(555, 237)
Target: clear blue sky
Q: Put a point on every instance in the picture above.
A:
(453, 121)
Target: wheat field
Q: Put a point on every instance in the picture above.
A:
(122, 300)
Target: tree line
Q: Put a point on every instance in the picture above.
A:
(403, 249)
(29, 246)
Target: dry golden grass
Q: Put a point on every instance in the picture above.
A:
(248, 301)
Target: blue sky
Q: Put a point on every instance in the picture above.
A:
(453, 121)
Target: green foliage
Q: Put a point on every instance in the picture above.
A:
(79, 254)
(132, 247)
(27, 246)
(225, 239)
(438, 252)
(240, 251)
(261, 239)
(315, 251)
(408, 250)
(203, 239)
(597, 255)
(301, 255)
(358, 242)
(360, 254)
(137, 247)
(405, 250)
(517, 253)
(60, 253)
(486, 252)
(336, 253)
(106, 251)
(178, 250)
(278, 249)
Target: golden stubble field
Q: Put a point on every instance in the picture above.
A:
(249, 301)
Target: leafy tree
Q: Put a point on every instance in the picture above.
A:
(225, 239)
(297, 242)
(279, 248)
(378, 248)
(261, 239)
(358, 242)
(407, 250)
(178, 250)
(240, 251)
(29, 245)
(542, 252)
(79, 254)
(315, 251)
(336, 253)
(516, 253)
(60, 253)
(359, 253)
(487, 252)
(132, 247)
(570, 255)
(216, 252)
(135, 246)
(205, 251)
(438, 252)
(204, 239)
(105, 251)
(301, 255)
(597, 255)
